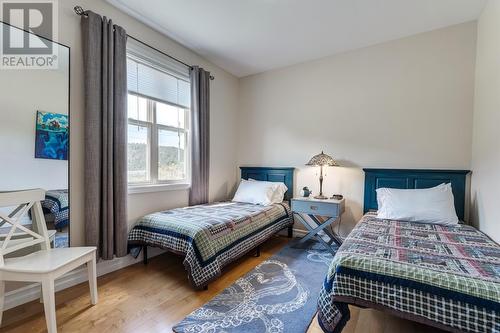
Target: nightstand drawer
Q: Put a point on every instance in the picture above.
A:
(315, 208)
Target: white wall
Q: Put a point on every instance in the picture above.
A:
(402, 104)
(23, 93)
(486, 135)
(224, 99)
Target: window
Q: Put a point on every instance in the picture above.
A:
(158, 119)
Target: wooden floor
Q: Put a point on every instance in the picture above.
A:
(373, 321)
(155, 297)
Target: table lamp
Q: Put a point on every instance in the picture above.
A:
(321, 160)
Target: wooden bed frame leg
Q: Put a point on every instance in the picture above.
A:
(145, 253)
(290, 232)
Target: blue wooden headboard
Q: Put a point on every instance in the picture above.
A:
(284, 175)
(415, 178)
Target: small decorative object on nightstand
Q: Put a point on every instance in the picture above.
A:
(321, 160)
(305, 192)
(309, 212)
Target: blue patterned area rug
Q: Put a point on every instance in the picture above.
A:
(279, 295)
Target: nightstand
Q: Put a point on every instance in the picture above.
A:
(317, 215)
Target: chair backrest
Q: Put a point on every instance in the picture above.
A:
(19, 236)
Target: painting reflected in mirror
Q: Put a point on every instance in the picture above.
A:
(34, 136)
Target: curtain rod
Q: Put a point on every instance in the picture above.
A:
(80, 12)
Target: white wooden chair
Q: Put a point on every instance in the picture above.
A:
(43, 265)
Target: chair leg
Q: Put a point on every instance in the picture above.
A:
(41, 294)
(49, 305)
(92, 275)
(2, 297)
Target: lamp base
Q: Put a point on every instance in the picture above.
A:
(321, 197)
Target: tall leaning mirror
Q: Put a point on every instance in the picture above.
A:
(34, 125)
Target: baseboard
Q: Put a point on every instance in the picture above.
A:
(299, 232)
(296, 232)
(32, 291)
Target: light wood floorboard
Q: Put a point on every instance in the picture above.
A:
(155, 297)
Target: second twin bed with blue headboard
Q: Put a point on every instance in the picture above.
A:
(443, 275)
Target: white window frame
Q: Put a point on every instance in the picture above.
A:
(154, 184)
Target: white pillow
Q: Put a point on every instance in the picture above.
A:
(431, 205)
(259, 193)
(278, 187)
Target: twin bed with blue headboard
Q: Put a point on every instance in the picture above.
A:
(211, 236)
(445, 276)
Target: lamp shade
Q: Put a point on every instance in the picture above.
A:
(322, 160)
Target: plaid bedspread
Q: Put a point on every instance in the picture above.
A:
(56, 202)
(448, 277)
(210, 236)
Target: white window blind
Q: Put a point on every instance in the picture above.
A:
(148, 81)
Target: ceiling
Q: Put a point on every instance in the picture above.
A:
(250, 36)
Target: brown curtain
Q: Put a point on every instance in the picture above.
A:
(105, 77)
(200, 135)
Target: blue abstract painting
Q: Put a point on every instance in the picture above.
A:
(52, 136)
